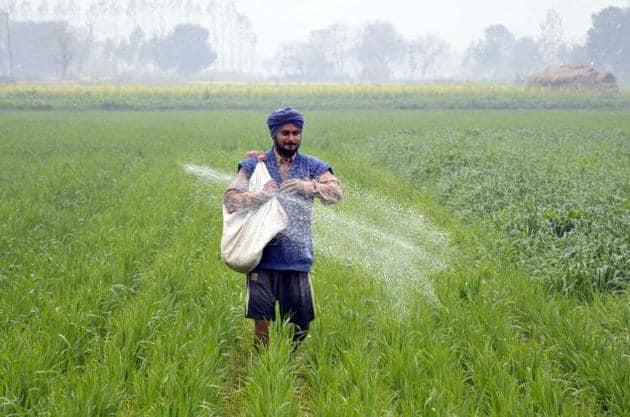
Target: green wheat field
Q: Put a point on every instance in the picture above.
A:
(479, 264)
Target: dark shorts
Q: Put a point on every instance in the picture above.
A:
(292, 289)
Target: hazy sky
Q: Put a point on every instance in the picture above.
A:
(458, 22)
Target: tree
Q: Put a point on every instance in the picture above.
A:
(65, 46)
(492, 56)
(8, 6)
(378, 47)
(246, 41)
(526, 59)
(577, 55)
(42, 8)
(608, 40)
(551, 39)
(424, 54)
(324, 56)
(6, 47)
(230, 32)
(291, 61)
(325, 53)
(42, 48)
(129, 49)
(339, 40)
(317, 61)
(185, 49)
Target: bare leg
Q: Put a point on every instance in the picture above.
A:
(261, 333)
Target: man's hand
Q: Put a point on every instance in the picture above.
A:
(237, 198)
(294, 186)
(260, 156)
(270, 186)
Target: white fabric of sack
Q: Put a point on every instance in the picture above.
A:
(246, 232)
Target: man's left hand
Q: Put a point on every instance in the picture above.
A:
(298, 187)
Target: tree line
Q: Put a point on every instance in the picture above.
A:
(377, 52)
(212, 39)
(88, 33)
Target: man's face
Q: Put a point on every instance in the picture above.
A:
(288, 140)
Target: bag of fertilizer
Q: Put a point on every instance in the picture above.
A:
(246, 232)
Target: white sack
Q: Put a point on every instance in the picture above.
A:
(246, 232)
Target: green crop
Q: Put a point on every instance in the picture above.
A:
(557, 194)
(263, 97)
(114, 299)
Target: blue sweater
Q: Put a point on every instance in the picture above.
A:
(293, 248)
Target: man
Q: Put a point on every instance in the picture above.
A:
(283, 273)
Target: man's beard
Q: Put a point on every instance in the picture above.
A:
(287, 153)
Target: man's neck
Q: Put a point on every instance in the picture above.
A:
(281, 159)
(283, 163)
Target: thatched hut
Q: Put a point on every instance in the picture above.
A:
(579, 77)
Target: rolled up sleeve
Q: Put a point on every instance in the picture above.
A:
(328, 188)
(237, 197)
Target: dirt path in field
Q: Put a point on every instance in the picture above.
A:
(390, 242)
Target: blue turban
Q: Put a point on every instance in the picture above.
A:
(282, 117)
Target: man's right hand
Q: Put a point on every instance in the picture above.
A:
(260, 156)
(236, 197)
(270, 186)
